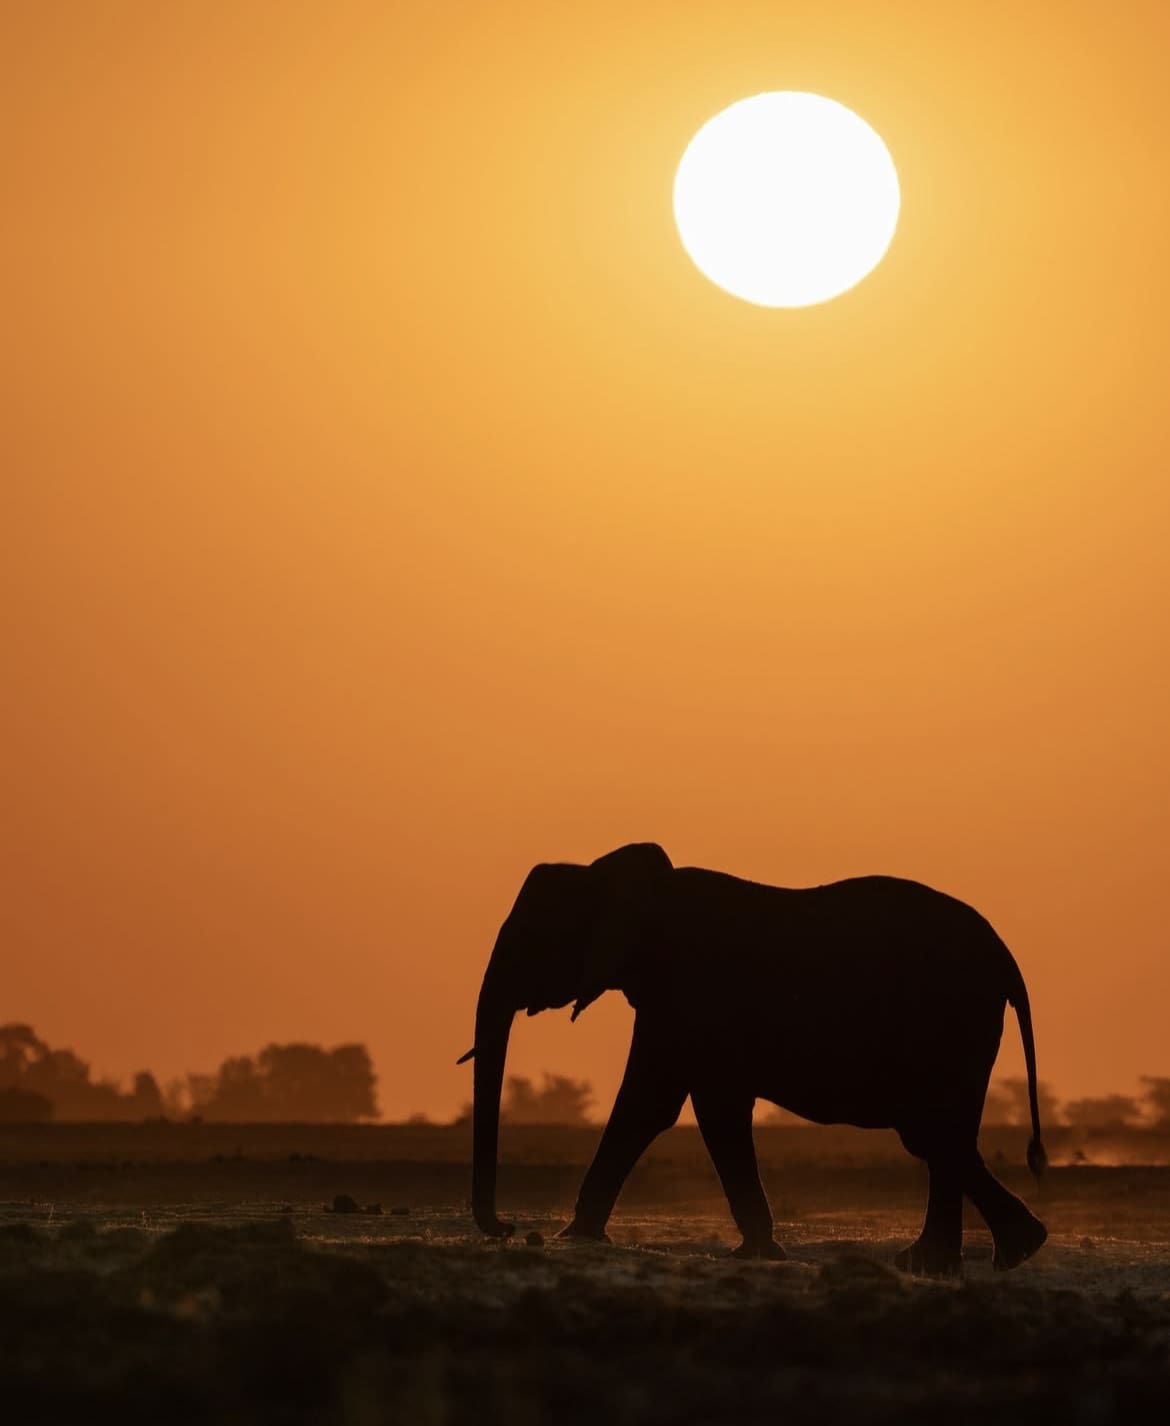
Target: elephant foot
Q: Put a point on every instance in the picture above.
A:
(1014, 1247)
(493, 1227)
(926, 1259)
(583, 1233)
(761, 1251)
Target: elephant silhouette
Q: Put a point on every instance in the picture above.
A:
(873, 1001)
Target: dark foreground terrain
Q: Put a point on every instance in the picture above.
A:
(190, 1273)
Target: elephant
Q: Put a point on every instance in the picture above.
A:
(873, 1001)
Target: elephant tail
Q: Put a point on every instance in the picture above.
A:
(1018, 999)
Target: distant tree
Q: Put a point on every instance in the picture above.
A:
(22, 1106)
(27, 1063)
(295, 1082)
(146, 1096)
(998, 1106)
(19, 1048)
(237, 1092)
(194, 1092)
(283, 1082)
(1110, 1111)
(176, 1098)
(305, 1081)
(559, 1100)
(1156, 1098)
(1007, 1104)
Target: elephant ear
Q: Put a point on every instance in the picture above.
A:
(628, 883)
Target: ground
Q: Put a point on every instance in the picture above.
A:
(190, 1273)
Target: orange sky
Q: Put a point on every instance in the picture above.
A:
(391, 505)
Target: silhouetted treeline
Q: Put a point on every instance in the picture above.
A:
(309, 1084)
(559, 1100)
(1007, 1103)
(295, 1082)
(39, 1083)
(288, 1083)
(1007, 1107)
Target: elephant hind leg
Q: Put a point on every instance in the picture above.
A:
(938, 1249)
(1016, 1230)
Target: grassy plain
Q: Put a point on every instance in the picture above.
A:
(190, 1273)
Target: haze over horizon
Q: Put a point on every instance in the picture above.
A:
(394, 506)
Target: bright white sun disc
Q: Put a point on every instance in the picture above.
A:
(786, 199)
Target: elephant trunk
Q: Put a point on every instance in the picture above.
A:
(493, 1023)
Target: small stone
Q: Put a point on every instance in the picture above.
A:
(1088, 1245)
(343, 1203)
(373, 1208)
(400, 1211)
(534, 1239)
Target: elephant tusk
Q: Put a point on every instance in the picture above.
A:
(462, 1060)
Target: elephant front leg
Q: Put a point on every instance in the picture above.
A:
(725, 1122)
(648, 1102)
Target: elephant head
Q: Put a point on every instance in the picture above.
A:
(573, 933)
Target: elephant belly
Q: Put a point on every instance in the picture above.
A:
(874, 1071)
(836, 1096)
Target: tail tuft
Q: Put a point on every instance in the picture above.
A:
(1037, 1158)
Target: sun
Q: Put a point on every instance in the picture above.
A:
(786, 199)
